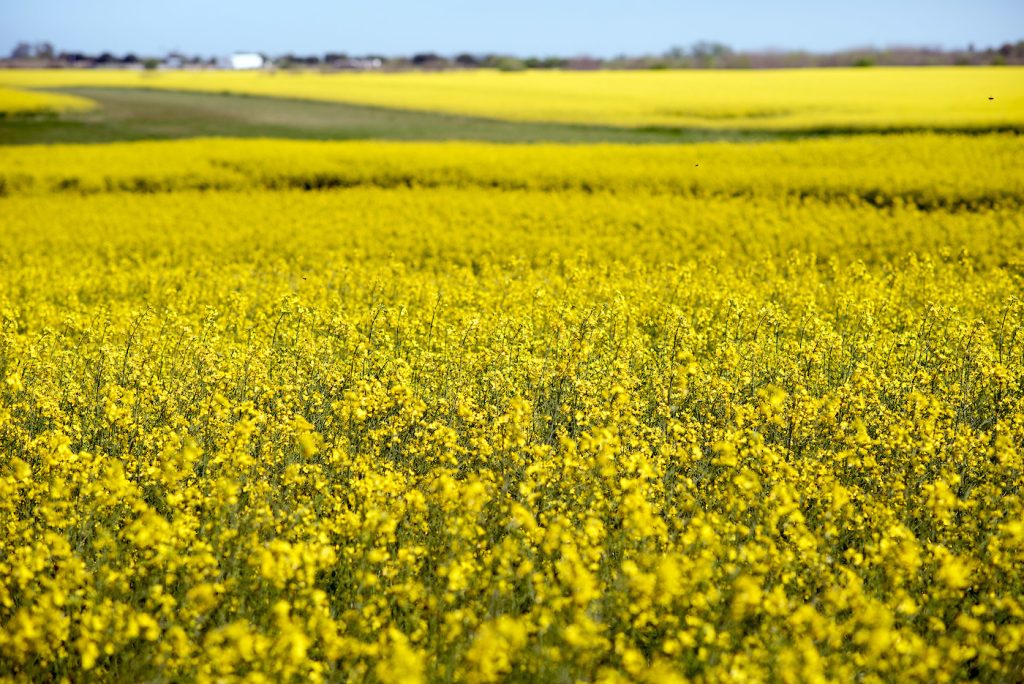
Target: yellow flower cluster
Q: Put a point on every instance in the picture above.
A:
(15, 102)
(783, 99)
(459, 426)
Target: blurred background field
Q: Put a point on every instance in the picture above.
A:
(563, 106)
(925, 170)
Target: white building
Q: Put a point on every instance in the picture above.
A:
(245, 60)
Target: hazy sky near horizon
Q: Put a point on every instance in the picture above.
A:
(523, 27)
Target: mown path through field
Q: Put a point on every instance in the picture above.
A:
(140, 114)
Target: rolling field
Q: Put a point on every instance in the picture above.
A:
(290, 410)
(790, 100)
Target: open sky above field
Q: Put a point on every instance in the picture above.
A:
(596, 27)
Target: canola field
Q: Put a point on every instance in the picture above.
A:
(428, 412)
(799, 99)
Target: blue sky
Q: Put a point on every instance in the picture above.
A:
(522, 27)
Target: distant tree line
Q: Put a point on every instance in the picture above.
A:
(701, 55)
(44, 53)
